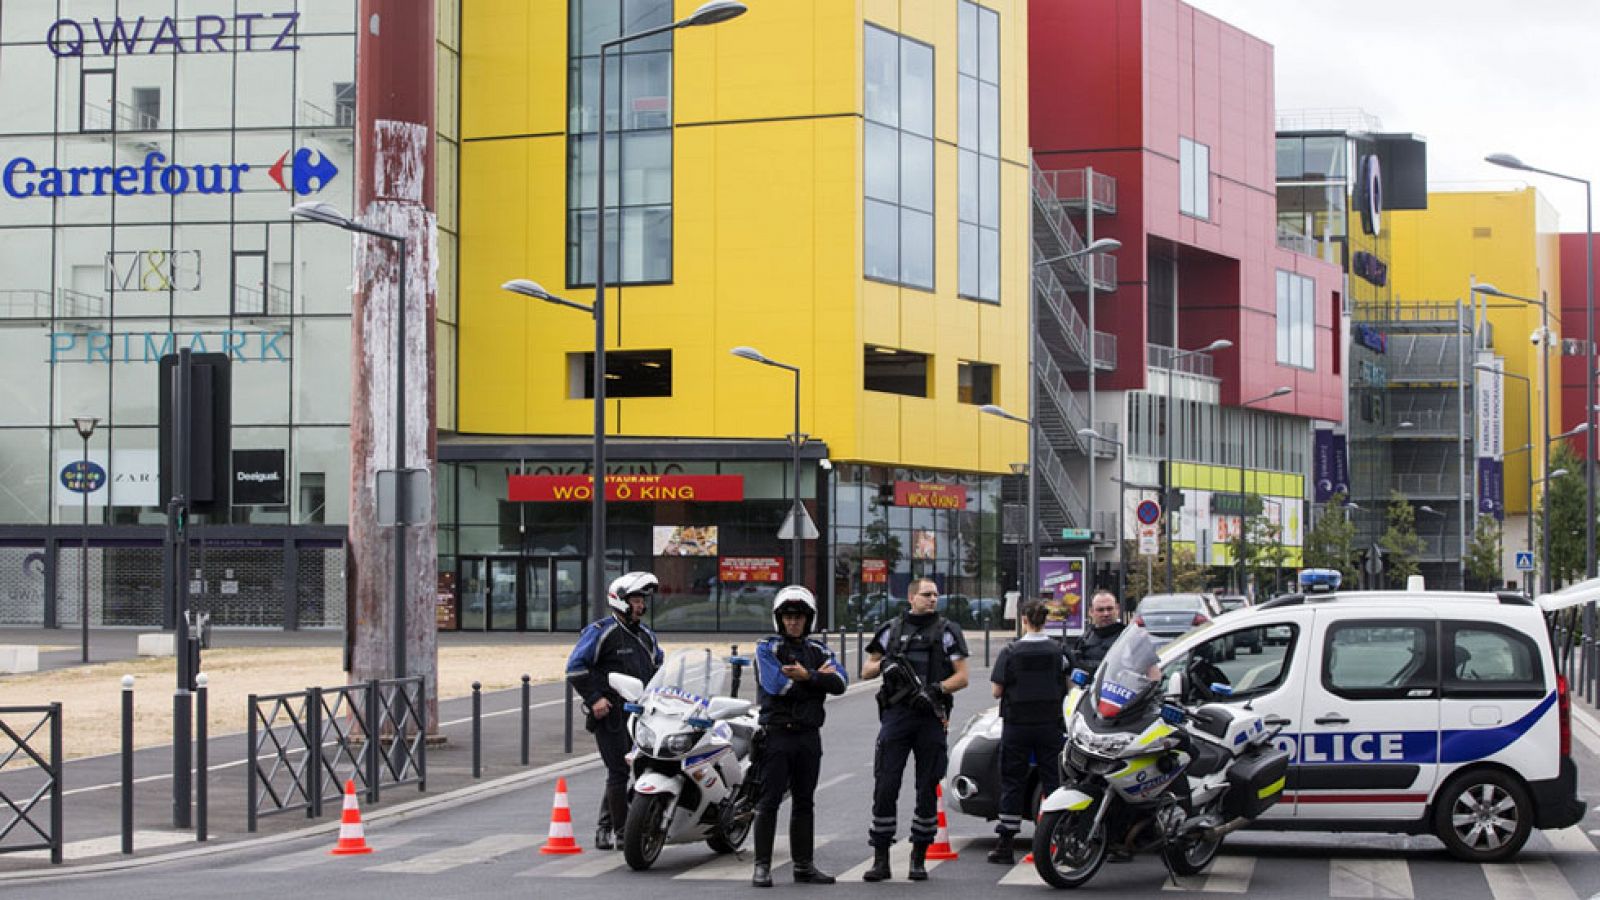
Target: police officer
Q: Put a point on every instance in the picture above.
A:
(923, 660)
(1029, 680)
(621, 643)
(794, 676)
(1105, 626)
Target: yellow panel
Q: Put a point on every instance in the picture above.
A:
(513, 68)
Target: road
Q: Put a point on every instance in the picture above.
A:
(491, 847)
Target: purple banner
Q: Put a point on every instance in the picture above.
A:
(1491, 488)
(1061, 587)
(1330, 466)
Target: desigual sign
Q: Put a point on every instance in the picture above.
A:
(117, 36)
(307, 172)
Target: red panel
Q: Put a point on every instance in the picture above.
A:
(1575, 324)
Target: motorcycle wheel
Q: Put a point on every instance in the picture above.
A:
(1191, 856)
(726, 839)
(645, 833)
(1063, 855)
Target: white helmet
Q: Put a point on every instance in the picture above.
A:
(794, 595)
(625, 586)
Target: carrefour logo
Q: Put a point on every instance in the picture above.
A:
(307, 170)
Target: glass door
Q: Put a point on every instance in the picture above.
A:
(503, 595)
(567, 577)
(540, 593)
(474, 582)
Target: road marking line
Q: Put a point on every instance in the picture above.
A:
(443, 860)
(835, 780)
(111, 843)
(1527, 881)
(899, 861)
(605, 862)
(732, 866)
(291, 861)
(1568, 840)
(1228, 875)
(1370, 879)
(1023, 873)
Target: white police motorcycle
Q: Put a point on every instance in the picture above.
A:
(691, 753)
(1141, 772)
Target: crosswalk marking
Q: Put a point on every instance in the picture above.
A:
(1569, 840)
(1527, 881)
(291, 861)
(1023, 873)
(1228, 875)
(443, 860)
(835, 780)
(605, 861)
(899, 861)
(1370, 879)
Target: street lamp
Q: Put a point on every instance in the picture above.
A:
(85, 426)
(797, 440)
(1167, 480)
(1031, 469)
(1122, 502)
(707, 14)
(1511, 162)
(1244, 432)
(318, 211)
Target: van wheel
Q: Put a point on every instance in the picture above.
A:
(1484, 816)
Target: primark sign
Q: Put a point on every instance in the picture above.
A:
(241, 345)
(131, 35)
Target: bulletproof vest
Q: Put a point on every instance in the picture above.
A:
(923, 648)
(1035, 689)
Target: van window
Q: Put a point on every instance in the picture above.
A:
(1252, 661)
(1377, 660)
(1489, 660)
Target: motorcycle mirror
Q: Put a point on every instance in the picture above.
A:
(628, 686)
(1218, 689)
(1080, 678)
(1175, 684)
(727, 708)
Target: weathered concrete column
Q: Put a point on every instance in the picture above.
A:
(395, 194)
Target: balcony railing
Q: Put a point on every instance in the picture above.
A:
(1159, 356)
(1072, 187)
(24, 304)
(120, 117)
(1059, 392)
(1074, 331)
(79, 305)
(1105, 350)
(1299, 243)
(1053, 230)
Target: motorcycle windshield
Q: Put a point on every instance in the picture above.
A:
(1131, 668)
(691, 675)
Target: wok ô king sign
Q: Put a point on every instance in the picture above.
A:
(930, 495)
(625, 488)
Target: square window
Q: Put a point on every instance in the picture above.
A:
(975, 382)
(629, 373)
(892, 371)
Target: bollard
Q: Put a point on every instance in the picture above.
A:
(127, 764)
(251, 774)
(200, 731)
(525, 718)
(372, 755)
(986, 618)
(477, 730)
(861, 654)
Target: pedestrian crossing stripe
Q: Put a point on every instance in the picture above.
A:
(1227, 875)
(483, 850)
(1370, 879)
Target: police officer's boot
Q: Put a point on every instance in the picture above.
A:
(602, 834)
(880, 866)
(919, 857)
(801, 844)
(766, 828)
(617, 800)
(1002, 853)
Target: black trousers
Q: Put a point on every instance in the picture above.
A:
(793, 761)
(611, 735)
(902, 733)
(1024, 746)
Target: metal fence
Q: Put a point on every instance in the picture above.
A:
(304, 746)
(25, 829)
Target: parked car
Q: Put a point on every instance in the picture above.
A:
(1404, 712)
(1169, 616)
(1231, 603)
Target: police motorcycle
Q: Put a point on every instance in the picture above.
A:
(1142, 772)
(691, 755)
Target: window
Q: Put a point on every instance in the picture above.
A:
(146, 112)
(1223, 660)
(638, 111)
(1489, 660)
(250, 283)
(96, 100)
(896, 371)
(1194, 178)
(1380, 660)
(1297, 320)
(629, 373)
(344, 103)
(978, 138)
(898, 160)
(975, 383)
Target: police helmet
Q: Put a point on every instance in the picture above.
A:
(790, 598)
(626, 586)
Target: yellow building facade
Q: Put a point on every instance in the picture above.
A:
(1507, 239)
(771, 244)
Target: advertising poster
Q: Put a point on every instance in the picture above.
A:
(445, 603)
(874, 571)
(1061, 587)
(750, 568)
(924, 545)
(684, 540)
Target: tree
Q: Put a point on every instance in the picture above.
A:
(1483, 554)
(1187, 575)
(1267, 552)
(1567, 502)
(1400, 542)
(1331, 542)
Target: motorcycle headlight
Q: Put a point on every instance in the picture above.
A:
(1099, 744)
(642, 735)
(680, 743)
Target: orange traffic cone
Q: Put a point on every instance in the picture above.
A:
(561, 840)
(940, 848)
(352, 837)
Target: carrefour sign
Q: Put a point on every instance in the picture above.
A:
(303, 171)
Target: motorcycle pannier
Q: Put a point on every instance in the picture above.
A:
(1255, 782)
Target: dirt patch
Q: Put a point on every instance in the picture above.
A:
(91, 704)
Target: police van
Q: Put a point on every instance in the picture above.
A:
(1404, 711)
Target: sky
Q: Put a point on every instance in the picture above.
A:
(1473, 77)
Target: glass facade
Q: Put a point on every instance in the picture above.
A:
(898, 160)
(978, 137)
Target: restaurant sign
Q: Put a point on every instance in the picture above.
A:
(626, 488)
(930, 495)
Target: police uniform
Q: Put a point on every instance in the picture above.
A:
(606, 646)
(1031, 674)
(1091, 647)
(930, 645)
(792, 715)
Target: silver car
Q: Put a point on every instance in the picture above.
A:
(1169, 616)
